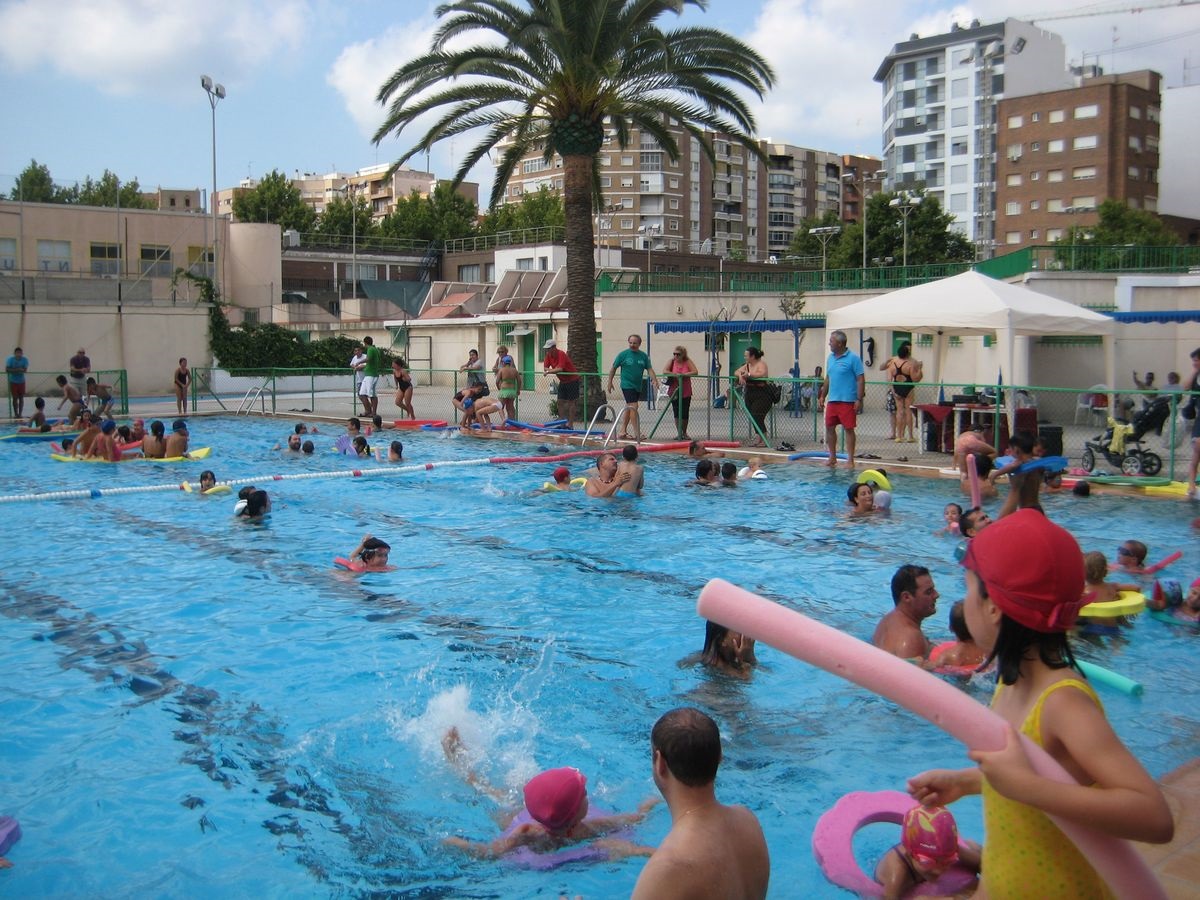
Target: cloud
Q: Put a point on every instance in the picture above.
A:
(125, 47)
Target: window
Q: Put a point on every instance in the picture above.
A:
(672, 224)
(627, 160)
(627, 203)
(200, 261)
(1054, 234)
(674, 203)
(1055, 146)
(1012, 237)
(626, 224)
(1035, 146)
(1012, 208)
(1035, 176)
(958, 88)
(543, 264)
(469, 274)
(1034, 235)
(1082, 173)
(8, 254)
(1013, 180)
(1015, 151)
(1084, 203)
(1035, 117)
(1152, 143)
(1054, 176)
(1135, 112)
(627, 182)
(1151, 204)
(54, 256)
(1153, 114)
(525, 263)
(674, 182)
(958, 203)
(958, 147)
(106, 259)
(958, 174)
(910, 70)
(171, 202)
(605, 181)
(530, 166)
(1035, 205)
(1085, 142)
(156, 261)
(1016, 121)
(958, 116)
(489, 273)
(1056, 116)
(606, 160)
(1054, 206)
(1135, 172)
(933, 65)
(1135, 142)
(1090, 111)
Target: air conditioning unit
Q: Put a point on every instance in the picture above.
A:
(919, 120)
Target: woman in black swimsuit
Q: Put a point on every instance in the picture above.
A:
(903, 372)
(757, 393)
(404, 387)
(183, 378)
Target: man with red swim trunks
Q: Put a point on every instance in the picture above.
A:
(841, 395)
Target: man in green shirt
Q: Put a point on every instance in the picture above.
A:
(367, 390)
(633, 364)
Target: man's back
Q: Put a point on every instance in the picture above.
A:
(900, 636)
(718, 851)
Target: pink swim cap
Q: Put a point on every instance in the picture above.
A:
(932, 832)
(554, 797)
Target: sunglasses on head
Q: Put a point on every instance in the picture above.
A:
(1124, 551)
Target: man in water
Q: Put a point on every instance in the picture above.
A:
(712, 850)
(915, 599)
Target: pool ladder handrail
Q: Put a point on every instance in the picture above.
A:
(258, 392)
(600, 410)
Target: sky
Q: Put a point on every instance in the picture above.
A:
(96, 84)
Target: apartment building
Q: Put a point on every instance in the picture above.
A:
(860, 180)
(801, 184)
(1061, 153)
(939, 111)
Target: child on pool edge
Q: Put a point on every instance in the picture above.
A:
(928, 846)
(1024, 580)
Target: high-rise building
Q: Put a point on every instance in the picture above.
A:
(801, 184)
(860, 180)
(939, 111)
(1061, 153)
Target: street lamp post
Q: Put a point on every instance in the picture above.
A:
(906, 202)
(649, 231)
(216, 93)
(349, 192)
(861, 181)
(825, 234)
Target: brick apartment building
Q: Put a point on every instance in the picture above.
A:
(1061, 153)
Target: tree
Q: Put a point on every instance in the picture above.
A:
(111, 191)
(277, 200)
(542, 208)
(411, 218)
(807, 246)
(931, 237)
(1121, 226)
(345, 217)
(454, 216)
(34, 185)
(546, 75)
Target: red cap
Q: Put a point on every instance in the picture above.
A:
(554, 797)
(562, 473)
(1031, 568)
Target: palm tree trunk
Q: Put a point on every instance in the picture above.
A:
(581, 272)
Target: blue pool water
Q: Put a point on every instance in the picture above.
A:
(193, 705)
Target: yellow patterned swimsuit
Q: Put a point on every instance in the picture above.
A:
(1024, 853)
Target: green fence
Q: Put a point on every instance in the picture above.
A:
(43, 384)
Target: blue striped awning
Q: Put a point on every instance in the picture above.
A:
(1166, 317)
(744, 326)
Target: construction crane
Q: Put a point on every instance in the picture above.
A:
(1102, 9)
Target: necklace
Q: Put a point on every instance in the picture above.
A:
(691, 810)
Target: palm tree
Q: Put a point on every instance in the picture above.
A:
(546, 75)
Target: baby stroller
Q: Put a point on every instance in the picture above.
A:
(1122, 446)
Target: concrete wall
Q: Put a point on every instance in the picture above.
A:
(147, 341)
(253, 267)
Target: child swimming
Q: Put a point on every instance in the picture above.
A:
(929, 845)
(1024, 581)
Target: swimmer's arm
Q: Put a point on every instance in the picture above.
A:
(618, 848)
(601, 824)
(940, 787)
(1122, 801)
(493, 850)
(893, 875)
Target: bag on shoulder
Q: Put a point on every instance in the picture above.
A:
(776, 391)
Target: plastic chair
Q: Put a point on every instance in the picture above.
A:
(1093, 404)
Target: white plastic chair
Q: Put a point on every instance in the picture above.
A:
(1093, 404)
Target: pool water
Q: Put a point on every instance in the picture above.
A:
(194, 704)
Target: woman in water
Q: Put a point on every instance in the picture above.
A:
(903, 372)
(861, 498)
(725, 651)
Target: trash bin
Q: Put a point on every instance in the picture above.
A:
(1051, 437)
(930, 442)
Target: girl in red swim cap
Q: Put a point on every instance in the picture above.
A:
(1025, 578)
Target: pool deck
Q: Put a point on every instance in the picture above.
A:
(1177, 864)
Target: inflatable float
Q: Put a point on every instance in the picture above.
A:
(811, 454)
(943, 704)
(29, 437)
(833, 844)
(1109, 678)
(938, 651)
(875, 478)
(10, 833)
(1128, 603)
(529, 859)
(1040, 463)
(191, 455)
(418, 423)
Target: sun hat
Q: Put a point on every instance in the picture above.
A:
(931, 831)
(1031, 568)
(550, 343)
(554, 797)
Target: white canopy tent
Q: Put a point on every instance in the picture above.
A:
(974, 304)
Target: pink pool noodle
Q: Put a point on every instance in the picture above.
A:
(973, 475)
(944, 705)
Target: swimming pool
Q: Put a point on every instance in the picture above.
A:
(193, 704)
